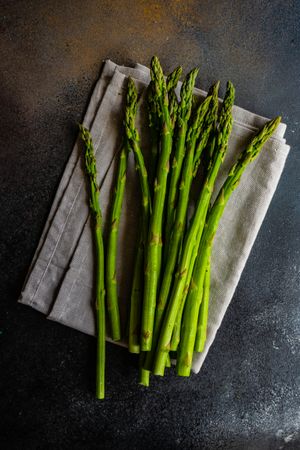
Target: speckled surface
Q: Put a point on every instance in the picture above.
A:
(247, 394)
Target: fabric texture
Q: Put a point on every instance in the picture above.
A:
(60, 278)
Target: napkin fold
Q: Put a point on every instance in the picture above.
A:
(60, 278)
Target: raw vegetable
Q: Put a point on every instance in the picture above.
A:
(169, 308)
(91, 172)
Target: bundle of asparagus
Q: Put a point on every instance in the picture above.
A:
(170, 290)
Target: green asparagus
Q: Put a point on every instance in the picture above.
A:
(91, 171)
(190, 317)
(154, 248)
(190, 245)
(203, 312)
(183, 115)
(178, 229)
(132, 136)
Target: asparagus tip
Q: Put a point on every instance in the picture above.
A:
(173, 78)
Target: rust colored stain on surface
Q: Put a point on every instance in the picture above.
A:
(66, 42)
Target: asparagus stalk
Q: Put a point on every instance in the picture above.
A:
(154, 248)
(168, 362)
(190, 245)
(177, 329)
(171, 82)
(177, 326)
(178, 230)
(91, 171)
(173, 78)
(154, 125)
(209, 127)
(183, 115)
(135, 298)
(132, 136)
(112, 241)
(137, 285)
(134, 346)
(190, 317)
(144, 375)
(154, 116)
(206, 139)
(135, 307)
(203, 313)
(132, 139)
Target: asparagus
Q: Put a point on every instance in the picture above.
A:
(190, 317)
(178, 229)
(173, 78)
(131, 139)
(209, 127)
(137, 285)
(206, 139)
(203, 313)
(177, 329)
(154, 116)
(177, 325)
(154, 248)
(135, 299)
(171, 83)
(135, 310)
(144, 375)
(190, 245)
(91, 171)
(154, 125)
(183, 115)
(132, 136)
(111, 252)
(185, 320)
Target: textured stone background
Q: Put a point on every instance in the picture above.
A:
(247, 394)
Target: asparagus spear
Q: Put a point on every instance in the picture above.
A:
(135, 298)
(173, 78)
(137, 285)
(91, 171)
(154, 248)
(144, 375)
(190, 317)
(203, 312)
(154, 121)
(111, 252)
(190, 245)
(171, 82)
(183, 115)
(177, 325)
(134, 139)
(177, 329)
(209, 127)
(206, 138)
(154, 116)
(154, 125)
(111, 280)
(135, 306)
(177, 234)
(136, 293)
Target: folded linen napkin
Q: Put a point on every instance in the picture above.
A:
(60, 279)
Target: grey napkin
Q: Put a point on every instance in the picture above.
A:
(60, 278)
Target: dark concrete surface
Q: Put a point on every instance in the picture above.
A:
(247, 394)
